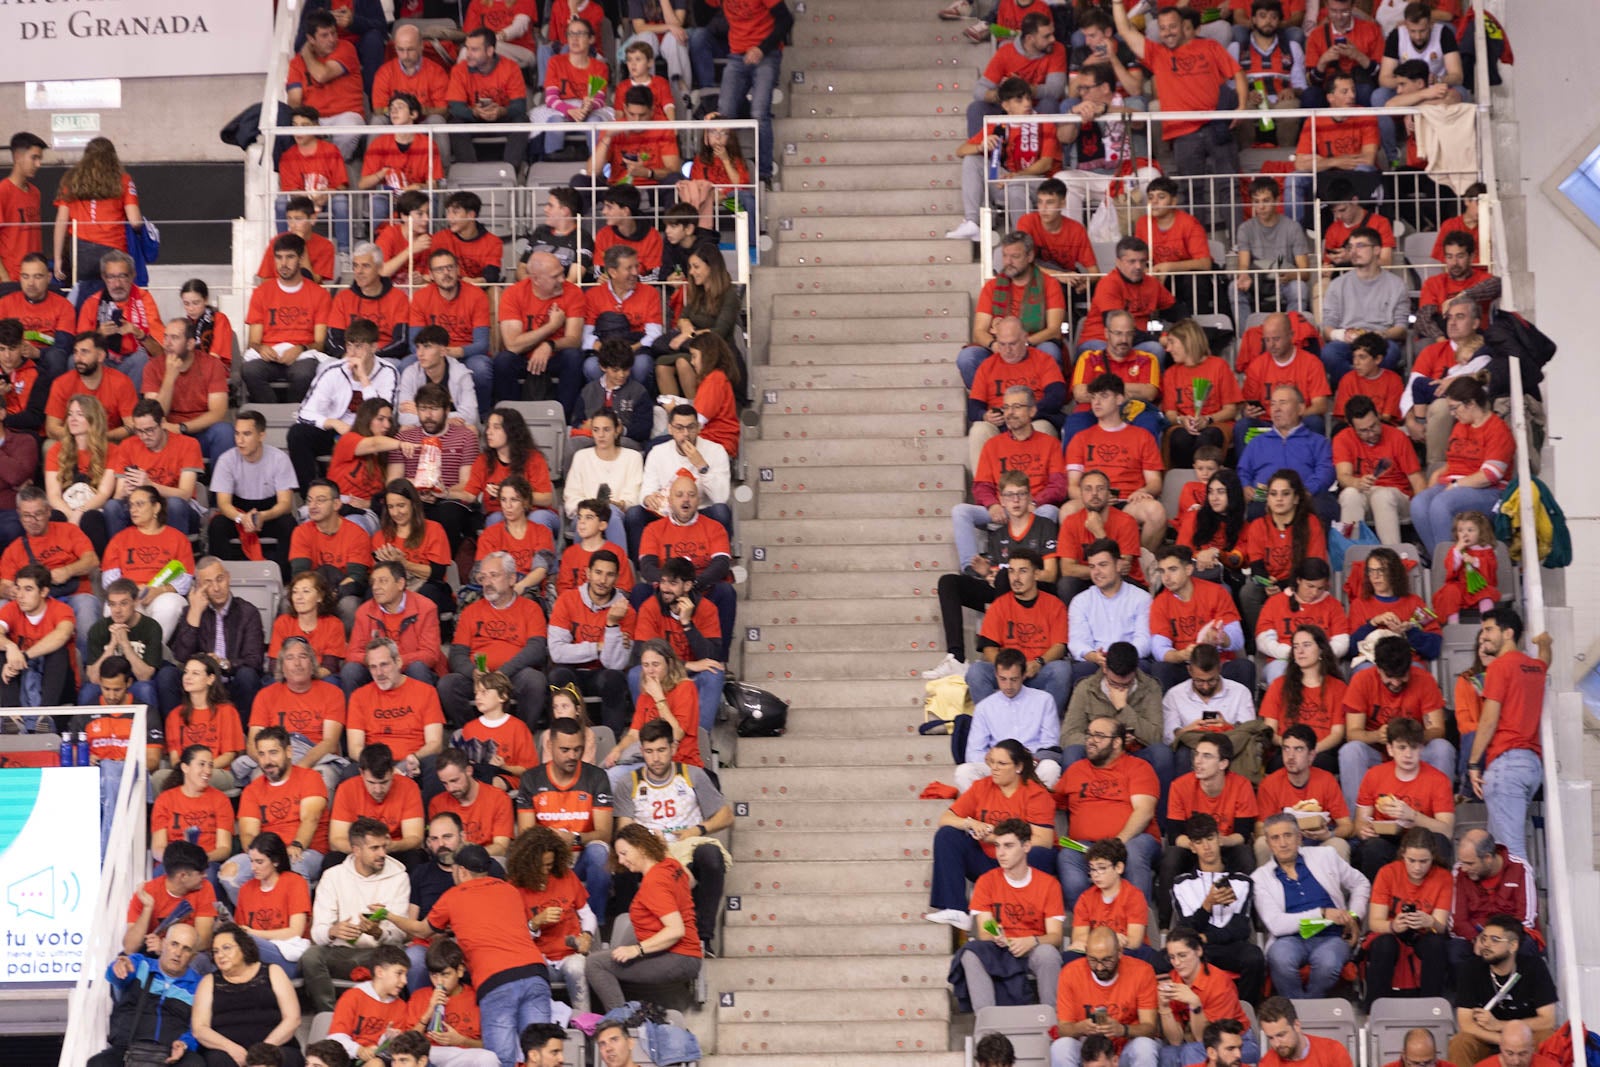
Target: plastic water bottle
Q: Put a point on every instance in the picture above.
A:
(1265, 124)
(83, 748)
(68, 751)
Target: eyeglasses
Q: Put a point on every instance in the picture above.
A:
(1102, 737)
(1495, 939)
(118, 277)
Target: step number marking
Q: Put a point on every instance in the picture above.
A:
(800, 75)
(786, 225)
(765, 473)
(759, 554)
(725, 1000)
(741, 808)
(752, 633)
(790, 148)
(769, 396)
(735, 904)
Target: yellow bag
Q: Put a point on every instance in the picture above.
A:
(946, 698)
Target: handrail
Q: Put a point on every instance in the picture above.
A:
(89, 1005)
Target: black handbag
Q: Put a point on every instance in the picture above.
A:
(145, 1053)
(758, 712)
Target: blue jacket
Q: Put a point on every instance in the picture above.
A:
(1302, 451)
(167, 1007)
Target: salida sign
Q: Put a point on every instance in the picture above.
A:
(64, 39)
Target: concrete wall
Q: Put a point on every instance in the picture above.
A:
(168, 120)
(1553, 79)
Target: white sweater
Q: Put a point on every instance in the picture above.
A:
(344, 894)
(624, 474)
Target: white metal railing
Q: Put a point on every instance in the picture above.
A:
(125, 865)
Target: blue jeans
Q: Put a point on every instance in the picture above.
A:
(958, 859)
(739, 79)
(1434, 509)
(270, 954)
(1356, 758)
(706, 46)
(215, 440)
(507, 1009)
(1327, 954)
(510, 369)
(1072, 867)
(133, 365)
(1054, 678)
(1336, 357)
(593, 868)
(970, 518)
(1509, 785)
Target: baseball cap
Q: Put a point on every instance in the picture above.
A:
(474, 858)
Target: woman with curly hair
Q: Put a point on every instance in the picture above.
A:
(539, 864)
(1386, 602)
(509, 452)
(100, 198)
(667, 947)
(1310, 692)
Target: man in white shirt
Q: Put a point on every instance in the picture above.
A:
(342, 937)
(328, 411)
(1114, 610)
(1209, 705)
(705, 460)
(1017, 711)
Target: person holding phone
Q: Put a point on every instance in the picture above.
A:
(1215, 900)
(1109, 994)
(1376, 470)
(1409, 912)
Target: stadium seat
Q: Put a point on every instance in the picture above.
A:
(319, 1027)
(576, 1048)
(495, 183)
(1390, 1018)
(1172, 487)
(259, 583)
(1250, 1017)
(279, 418)
(1418, 249)
(1331, 1017)
(1027, 1026)
(1420, 583)
(548, 424)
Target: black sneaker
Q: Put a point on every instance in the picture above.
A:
(707, 951)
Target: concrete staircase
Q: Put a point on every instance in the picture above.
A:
(859, 313)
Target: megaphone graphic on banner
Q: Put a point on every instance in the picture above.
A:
(40, 893)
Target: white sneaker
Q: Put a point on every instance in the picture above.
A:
(950, 917)
(968, 230)
(947, 666)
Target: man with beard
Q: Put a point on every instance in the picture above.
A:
(1126, 454)
(1020, 290)
(686, 533)
(61, 548)
(1187, 613)
(1108, 993)
(440, 462)
(408, 619)
(687, 450)
(193, 392)
(45, 312)
(463, 310)
(125, 315)
(288, 320)
(1481, 1032)
(1109, 793)
(1094, 520)
(1287, 1043)
(500, 631)
(573, 798)
(430, 879)
(398, 710)
(1032, 622)
(376, 792)
(690, 624)
(287, 800)
(484, 810)
(1023, 449)
(309, 710)
(345, 929)
(1461, 279)
(89, 376)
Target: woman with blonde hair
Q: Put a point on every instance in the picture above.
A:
(1197, 414)
(100, 197)
(78, 477)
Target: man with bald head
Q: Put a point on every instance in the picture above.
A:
(1109, 993)
(1419, 1050)
(1014, 363)
(165, 1018)
(541, 329)
(1278, 363)
(1518, 1048)
(408, 72)
(687, 533)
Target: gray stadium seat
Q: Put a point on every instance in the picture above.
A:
(1391, 1017)
(1418, 249)
(1250, 1017)
(1026, 1025)
(548, 423)
(259, 583)
(1420, 583)
(1173, 485)
(319, 1027)
(495, 183)
(576, 1048)
(279, 418)
(1334, 1018)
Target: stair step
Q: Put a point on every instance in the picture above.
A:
(870, 306)
(812, 816)
(924, 227)
(812, 783)
(901, 1035)
(939, 350)
(886, 693)
(931, 559)
(929, 83)
(844, 1059)
(863, 973)
(852, 331)
(813, 29)
(801, 204)
(932, 752)
(851, 637)
(826, 881)
(914, 176)
(754, 846)
(938, 278)
(877, 105)
(849, 722)
(861, 610)
(865, 376)
(794, 586)
(887, 939)
(763, 667)
(834, 1005)
(845, 253)
(923, 503)
(960, 58)
(852, 11)
(814, 531)
(902, 399)
(782, 427)
(799, 480)
(881, 153)
(808, 131)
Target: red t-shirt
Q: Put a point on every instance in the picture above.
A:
(1123, 455)
(1021, 910)
(202, 900)
(1516, 680)
(476, 912)
(1451, 225)
(140, 556)
(1364, 34)
(536, 539)
(488, 817)
(713, 399)
(1039, 457)
(479, 480)
(1029, 628)
(664, 889)
(102, 222)
(1099, 800)
(351, 801)
(260, 909)
(475, 256)
(51, 316)
(417, 163)
(62, 545)
(1009, 62)
(342, 94)
(435, 547)
(1283, 614)
(1121, 911)
(496, 15)
(499, 634)
(317, 171)
(985, 802)
(1073, 539)
(1188, 78)
(653, 622)
(1429, 792)
(749, 22)
(165, 467)
(660, 91)
(398, 717)
(346, 545)
(1236, 801)
(288, 317)
(571, 82)
(1304, 371)
(568, 894)
(305, 714)
(177, 813)
(513, 743)
(1024, 145)
(27, 632)
(1116, 293)
(429, 85)
(1393, 889)
(355, 475)
(574, 568)
(364, 1019)
(521, 305)
(1184, 238)
(641, 307)
(683, 700)
(699, 541)
(1182, 620)
(327, 639)
(1177, 387)
(502, 85)
(999, 293)
(319, 257)
(1384, 390)
(1338, 233)
(20, 207)
(1219, 997)
(1488, 449)
(115, 393)
(1264, 540)
(1394, 447)
(586, 625)
(1068, 248)
(1277, 793)
(1319, 707)
(1338, 137)
(467, 312)
(460, 1012)
(1323, 1051)
(1080, 993)
(278, 807)
(650, 147)
(1367, 695)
